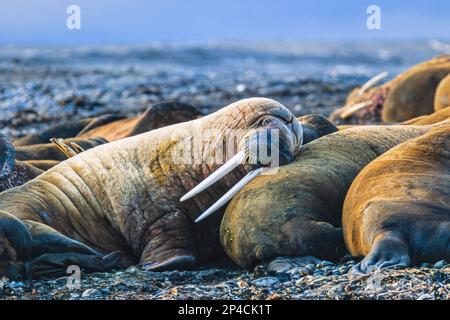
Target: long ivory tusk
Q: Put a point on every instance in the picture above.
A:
(63, 147)
(237, 159)
(372, 81)
(230, 194)
(356, 107)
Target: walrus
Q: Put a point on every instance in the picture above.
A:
(156, 116)
(435, 117)
(116, 126)
(125, 195)
(397, 210)
(442, 96)
(50, 151)
(298, 211)
(410, 94)
(68, 129)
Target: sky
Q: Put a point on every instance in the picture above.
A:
(25, 22)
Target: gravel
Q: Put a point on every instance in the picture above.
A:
(329, 281)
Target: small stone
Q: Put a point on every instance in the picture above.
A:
(265, 282)
(259, 272)
(440, 264)
(311, 267)
(91, 294)
(211, 274)
(279, 265)
(344, 269)
(425, 296)
(324, 264)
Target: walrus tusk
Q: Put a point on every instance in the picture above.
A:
(63, 147)
(76, 147)
(236, 160)
(372, 81)
(356, 107)
(230, 194)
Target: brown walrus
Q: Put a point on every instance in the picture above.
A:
(297, 212)
(442, 97)
(156, 116)
(435, 117)
(410, 94)
(49, 151)
(397, 210)
(124, 196)
(65, 130)
(113, 127)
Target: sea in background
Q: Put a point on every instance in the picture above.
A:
(42, 86)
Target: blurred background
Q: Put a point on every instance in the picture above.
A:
(129, 54)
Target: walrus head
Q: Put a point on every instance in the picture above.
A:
(272, 137)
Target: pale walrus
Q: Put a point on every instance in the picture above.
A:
(297, 212)
(397, 211)
(410, 94)
(125, 195)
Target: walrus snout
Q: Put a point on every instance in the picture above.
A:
(274, 143)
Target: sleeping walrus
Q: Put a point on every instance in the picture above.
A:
(410, 94)
(125, 195)
(298, 211)
(397, 210)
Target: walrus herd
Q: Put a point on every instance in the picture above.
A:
(109, 192)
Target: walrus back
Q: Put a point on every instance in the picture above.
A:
(406, 190)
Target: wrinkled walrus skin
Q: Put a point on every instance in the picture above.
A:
(125, 196)
(298, 211)
(409, 95)
(397, 211)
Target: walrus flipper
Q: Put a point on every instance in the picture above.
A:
(169, 249)
(31, 250)
(388, 251)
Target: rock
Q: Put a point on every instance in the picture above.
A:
(259, 272)
(324, 264)
(279, 265)
(212, 274)
(425, 296)
(440, 264)
(91, 294)
(266, 282)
